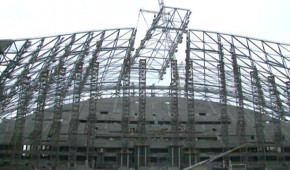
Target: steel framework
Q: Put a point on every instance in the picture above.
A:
(161, 41)
(17, 140)
(90, 129)
(31, 55)
(259, 104)
(277, 108)
(189, 88)
(175, 146)
(264, 57)
(39, 114)
(141, 127)
(45, 73)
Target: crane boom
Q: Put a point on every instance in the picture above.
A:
(161, 3)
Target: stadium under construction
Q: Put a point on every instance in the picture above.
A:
(101, 100)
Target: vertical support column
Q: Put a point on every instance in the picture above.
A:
(57, 117)
(241, 132)
(60, 90)
(174, 150)
(141, 127)
(190, 114)
(142, 102)
(189, 88)
(223, 101)
(91, 133)
(74, 122)
(278, 115)
(259, 103)
(39, 114)
(125, 115)
(18, 135)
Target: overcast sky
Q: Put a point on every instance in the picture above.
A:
(266, 19)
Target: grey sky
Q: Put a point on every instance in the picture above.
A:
(266, 19)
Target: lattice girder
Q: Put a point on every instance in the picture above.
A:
(109, 47)
(269, 58)
(161, 40)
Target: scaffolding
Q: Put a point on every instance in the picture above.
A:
(223, 102)
(189, 88)
(17, 140)
(259, 103)
(125, 154)
(142, 102)
(223, 97)
(77, 76)
(92, 71)
(55, 130)
(241, 123)
(70, 68)
(142, 148)
(60, 92)
(240, 98)
(58, 57)
(192, 154)
(277, 108)
(39, 115)
(174, 148)
(45, 80)
(73, 130)
(90, 129)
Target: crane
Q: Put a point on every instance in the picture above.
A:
(161, 3)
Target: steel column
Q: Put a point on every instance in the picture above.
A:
(90, 129)
(174, 148)
(259, 103)
(73, 130)
(223, 101)
(189, 89)
(223, 96)
(141, 126)
(43, 88)
(125, 115)
(60, 90)
(241, 123)
(278, 110)
(17, 140)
